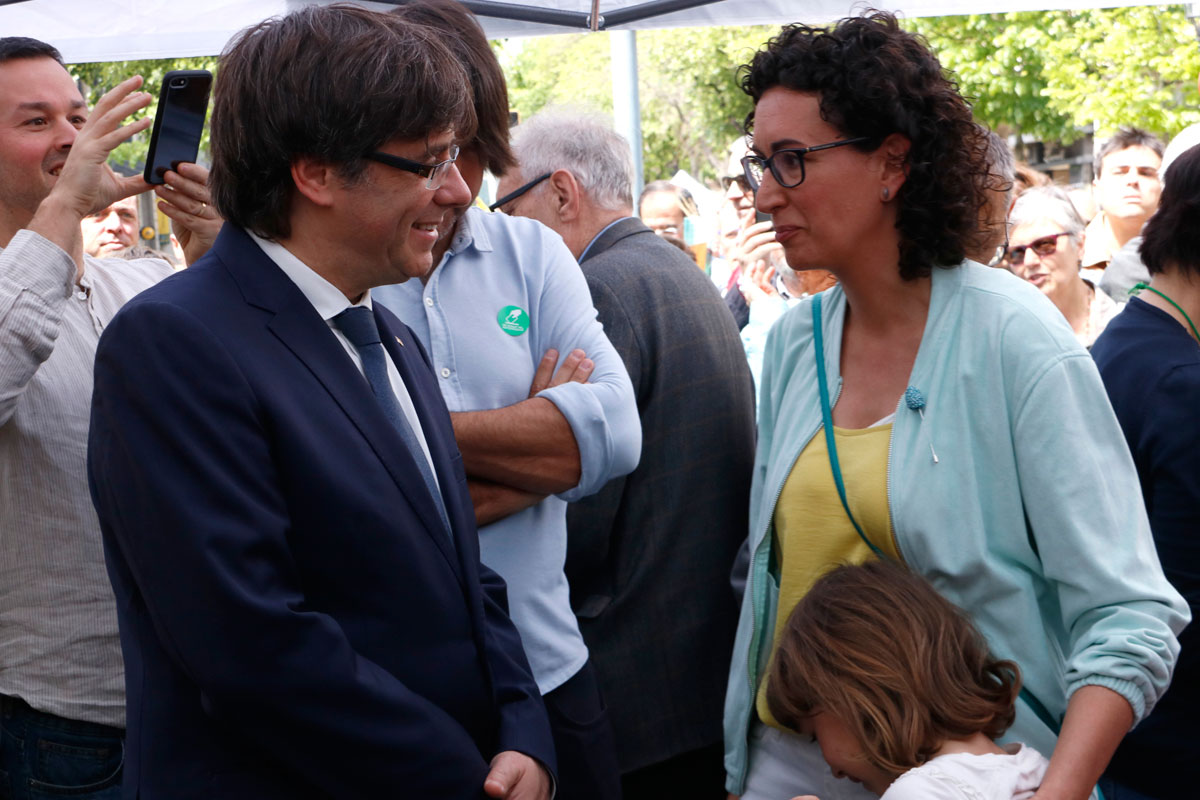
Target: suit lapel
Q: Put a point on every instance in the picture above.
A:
(302, 331)
(402, 347)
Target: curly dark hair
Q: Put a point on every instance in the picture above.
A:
(875, 79)
(877, 647)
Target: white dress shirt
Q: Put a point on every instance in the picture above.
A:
(329, 301)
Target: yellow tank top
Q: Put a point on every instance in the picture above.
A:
(812, 531)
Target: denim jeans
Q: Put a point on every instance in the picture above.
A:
(42, 755)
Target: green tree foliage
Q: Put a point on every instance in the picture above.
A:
(98, 78)
(1124, 66)
(998, 61)
(573, 69)
(691, 106)
(1051, 74)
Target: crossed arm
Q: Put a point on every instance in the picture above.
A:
(517, 455)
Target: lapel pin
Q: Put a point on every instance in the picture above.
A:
(916, 401)
(399, 342)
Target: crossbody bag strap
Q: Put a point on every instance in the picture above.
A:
(827, 417)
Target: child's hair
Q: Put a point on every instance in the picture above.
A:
(903, 668)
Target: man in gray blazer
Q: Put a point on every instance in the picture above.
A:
(649, 556)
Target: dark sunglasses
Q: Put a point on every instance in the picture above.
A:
(433, 173)
(515, 193)
(740, 180)
(1044, 246)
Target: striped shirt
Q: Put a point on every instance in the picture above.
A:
(59, 649)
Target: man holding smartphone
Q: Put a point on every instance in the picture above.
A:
(61, 680)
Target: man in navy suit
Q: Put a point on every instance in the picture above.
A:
(285, 513)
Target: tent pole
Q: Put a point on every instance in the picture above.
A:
(627, 114)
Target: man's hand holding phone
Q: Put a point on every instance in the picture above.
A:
(86, 183)
(185, 198)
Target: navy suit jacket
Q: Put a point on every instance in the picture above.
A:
(295, 620)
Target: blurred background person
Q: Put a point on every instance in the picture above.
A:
(1126, 269)
(1149, 358)
(735, 215)
(1044, 247)
(664, 206)
(1126, 189)
(668, 210)
(993, 216)
(112, 230)
(1026, 177)
(775, 287)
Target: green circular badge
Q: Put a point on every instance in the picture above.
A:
(513, 320)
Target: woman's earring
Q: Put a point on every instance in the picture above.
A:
(885, 194)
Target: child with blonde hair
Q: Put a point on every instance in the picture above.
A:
(899, 690)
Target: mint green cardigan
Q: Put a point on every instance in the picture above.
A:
(1031, 520)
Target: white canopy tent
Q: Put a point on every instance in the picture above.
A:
(122, 30)
(129, 30)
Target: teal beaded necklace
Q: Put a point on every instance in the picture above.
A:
(1191, 324)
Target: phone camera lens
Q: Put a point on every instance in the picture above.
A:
(179, 83)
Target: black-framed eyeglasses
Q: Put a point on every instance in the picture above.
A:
(515, 193)
(1043, 246)
(435, 173)
(786, 165)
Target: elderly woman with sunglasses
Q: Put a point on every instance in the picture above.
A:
(933, 411)
(1044, 249)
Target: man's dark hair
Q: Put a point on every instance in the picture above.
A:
(1124, 139)
(329, 83)
(460, 31)
(1171, 239)
(14, 47)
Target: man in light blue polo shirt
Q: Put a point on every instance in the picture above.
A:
(504, 301)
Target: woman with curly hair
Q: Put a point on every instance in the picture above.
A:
(931, 411)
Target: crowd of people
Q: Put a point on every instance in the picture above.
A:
(889, 488)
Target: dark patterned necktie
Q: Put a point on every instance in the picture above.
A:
(358, 324)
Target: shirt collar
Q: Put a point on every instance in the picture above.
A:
(470, 233)
(583, 255)
(326, 298)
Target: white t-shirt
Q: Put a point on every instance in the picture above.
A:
(1013, 775)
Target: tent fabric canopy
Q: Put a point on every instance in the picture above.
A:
(128, 30)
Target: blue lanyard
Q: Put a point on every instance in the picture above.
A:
(827, 416)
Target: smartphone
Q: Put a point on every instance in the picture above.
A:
(179, 121)
(761, 216)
